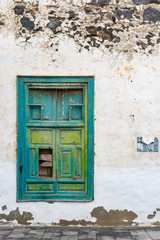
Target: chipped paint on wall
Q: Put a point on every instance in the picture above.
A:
(15, 215)
(4, 207)
(104, 218)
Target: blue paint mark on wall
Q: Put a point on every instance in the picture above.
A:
(144, 147)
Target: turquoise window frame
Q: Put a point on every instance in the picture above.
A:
(22, 82)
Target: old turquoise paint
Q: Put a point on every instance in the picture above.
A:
(55, 113)
(69, 105)
(47, 100)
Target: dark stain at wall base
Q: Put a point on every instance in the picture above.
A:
(104, 218)
(20, 218)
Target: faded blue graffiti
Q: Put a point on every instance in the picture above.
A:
(151, 147)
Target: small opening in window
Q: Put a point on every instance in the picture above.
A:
(45, 163)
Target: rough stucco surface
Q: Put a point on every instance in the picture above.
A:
(118, 43)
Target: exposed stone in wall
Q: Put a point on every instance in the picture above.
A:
(139, 2)
(19, 10)
(27, 23)
(100, 2)
(122, 26)
(151, 15)
(53, 24)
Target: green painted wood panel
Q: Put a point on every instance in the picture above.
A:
(78, 162)
(39, 187)
(41, 137)
(65, 162)
(32, 162)
(70, 148)
(57, 117)
(72, 187)
(70, 137)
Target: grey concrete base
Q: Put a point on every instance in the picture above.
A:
(77, 233)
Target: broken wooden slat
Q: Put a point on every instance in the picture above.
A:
(45, 157)
(46, 164)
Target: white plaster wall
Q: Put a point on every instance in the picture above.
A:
(124, 86)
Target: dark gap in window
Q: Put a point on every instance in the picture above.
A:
(45, 163)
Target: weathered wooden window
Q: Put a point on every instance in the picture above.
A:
(55, 138)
